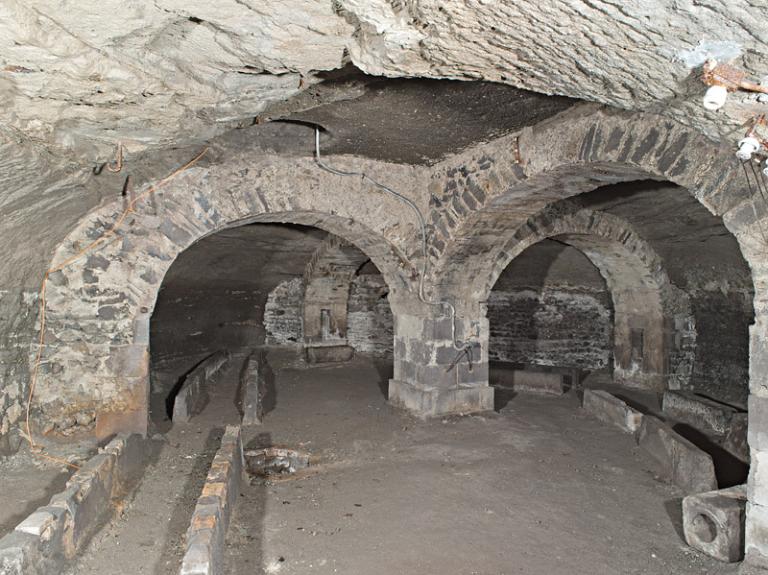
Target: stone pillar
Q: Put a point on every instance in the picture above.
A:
(425, 382)
(756, 539)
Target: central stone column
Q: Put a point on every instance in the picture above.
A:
(428, 379)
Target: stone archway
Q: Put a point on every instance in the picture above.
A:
(646, 304)
(482, 197)
(98, 308)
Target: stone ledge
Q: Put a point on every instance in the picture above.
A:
(700, 412)
(252, 389)
(193, 395)
(536, 382)
(210, 520)
(610, 409)
(426, 402)
(327, 353)
(686, 465)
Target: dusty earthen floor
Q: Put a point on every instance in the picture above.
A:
(28, 483)
(539, 488)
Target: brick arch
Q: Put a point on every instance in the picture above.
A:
(95, 352)
(646, 304)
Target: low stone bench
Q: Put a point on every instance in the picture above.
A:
(328, 353)
(610, 409)
(702, 413)
(539, 382)
(252, 389)
(726, 425)
(193, 394)
(686, 465)
(210, 520)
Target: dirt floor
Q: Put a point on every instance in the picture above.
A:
(28, 482)
(539, 488)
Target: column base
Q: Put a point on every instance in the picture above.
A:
(437, 401)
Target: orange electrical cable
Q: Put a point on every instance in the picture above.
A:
(41, 339)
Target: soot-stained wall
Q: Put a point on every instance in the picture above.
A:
(551, 307)
(723, 313)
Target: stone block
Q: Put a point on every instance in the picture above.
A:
(758, 478)
(735, 441)
(252, 390)
(683, 463)
(130, 458)
(191, 398)
(540, 382)
(67, 501)
(193, 394)
(87, 498)
(713, 522)
(199, 558)
(756, 538)
(92, 511)
(700, 412)
(19, 555)
(478, 375)
(757, 433)
(328, 353)
(210, 520)
(437, 401)
(610, 409)
(130, 416)
(48, 525)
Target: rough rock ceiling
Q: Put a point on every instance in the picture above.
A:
(76, 76)
(421, 121)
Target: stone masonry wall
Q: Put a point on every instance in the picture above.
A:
(554, 328)
(370, 323)
(721, 367)
(283, 313)
(551, 307)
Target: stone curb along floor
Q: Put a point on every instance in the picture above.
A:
(193, 395)
(53, 534)
(210, 520)
(713, 520)
(687, 466)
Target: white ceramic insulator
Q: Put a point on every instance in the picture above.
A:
(747, 147)
(715, 97)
